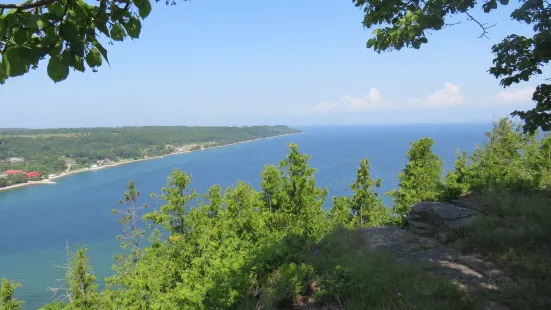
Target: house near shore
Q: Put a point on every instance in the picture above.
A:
(15, 160)
(32, 174)
(12, 172)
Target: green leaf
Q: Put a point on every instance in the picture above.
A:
(117, 32)
(102, 26)
(78, 63)
(144, 8)
(370, 43)
(57, 8)
(102, 50)
(21, 35)
(58, 70)
(93, 58)
(15, 65)
(3, 28)
(80, 9)
(133, 28)
(3, 71)
(30, 21)
(504, 2)
(70, 31)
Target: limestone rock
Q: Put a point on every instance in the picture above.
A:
(434, 218)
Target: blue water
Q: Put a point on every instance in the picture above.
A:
(35, 222)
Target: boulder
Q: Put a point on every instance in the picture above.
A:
(431, 219)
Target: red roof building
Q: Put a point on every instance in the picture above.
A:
(12, 172)
(32, 174)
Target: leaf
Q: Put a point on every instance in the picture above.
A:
(3, 28)
(93, 58)
(58, 70)
(117, 32)
(144, 8)
(102, 50)
(102, 26)
(70, 31)
(80, 9)
(133, 28)
(31, 21)
(78, 63)
(57, 8)
(15, 65)
(504, 2)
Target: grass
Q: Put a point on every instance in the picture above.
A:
(515, 232)
(351, 276)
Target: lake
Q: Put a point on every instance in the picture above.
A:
(35, 222)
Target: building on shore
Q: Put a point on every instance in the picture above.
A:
(15, 160)
(32, 174)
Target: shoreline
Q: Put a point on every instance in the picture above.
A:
(129, 161)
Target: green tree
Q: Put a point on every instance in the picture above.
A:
(365, 203)
(340, 212)
(175, 193)
(82, 290)
(68, 32)
(303, 200)
(508, 160)
(7, 299)
(517, 58)
(131, 220)
(420, 179)
(457, 180)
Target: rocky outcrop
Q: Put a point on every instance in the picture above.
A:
(434, 219)
(420, 244)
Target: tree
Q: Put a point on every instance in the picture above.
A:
(365, 202)
(133, 232)
(340, 214)
(67, 31)
(420, 179)
(517, 58)
(172, 215)
(82, 290)
(7, 300)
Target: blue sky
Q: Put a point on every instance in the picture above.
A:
(210, 62)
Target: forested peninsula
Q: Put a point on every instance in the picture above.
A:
(32, 155)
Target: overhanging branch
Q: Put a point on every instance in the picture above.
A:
(24, 6)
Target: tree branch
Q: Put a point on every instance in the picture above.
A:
(24, 6)
(482, 26)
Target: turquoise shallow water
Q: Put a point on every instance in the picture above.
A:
(36, 221)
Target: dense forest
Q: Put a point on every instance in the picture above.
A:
(46, 150)
(276, 248)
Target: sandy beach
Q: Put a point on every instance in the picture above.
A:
(129, 161)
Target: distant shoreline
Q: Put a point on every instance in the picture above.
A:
(129, 161)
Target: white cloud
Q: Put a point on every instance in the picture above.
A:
(521, 95)
(374, 100)
(448, 96)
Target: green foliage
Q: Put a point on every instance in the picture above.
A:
(66, 31)
(456, 181)
(7, 299)
(517, 58)
(510, 160)
(57, 305)
(366, 205)
(82, 290)
(340, 213)
(134, 232)
(420, 179)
